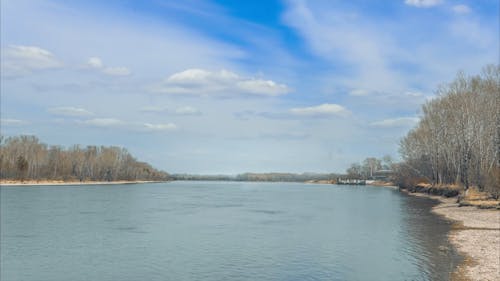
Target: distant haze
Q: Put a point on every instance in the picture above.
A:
(226, 87)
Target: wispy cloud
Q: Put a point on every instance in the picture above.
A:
(12, 122)
(69, 111)
(286, 136)
(103, 122)
(96, 63)
(187, 110)
(359, 92)
(18, 60)
(182, 110)
(345, 38)
(461, 9)
(113, 123)
(395, 122)
(375, 102)
(218, 83)
(323, 110)
(160, 127)
(423, 3)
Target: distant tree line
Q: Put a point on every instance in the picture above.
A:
(367, 169)
(264, 177)
(191, 177)
(457, 140)
(26, 158)
(284, 177)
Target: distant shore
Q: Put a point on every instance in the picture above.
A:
(475, 234)
(61, 182)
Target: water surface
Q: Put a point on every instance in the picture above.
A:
(220, 231)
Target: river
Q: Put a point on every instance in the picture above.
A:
(220, 231)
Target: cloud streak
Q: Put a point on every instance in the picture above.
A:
(461, 9)
(323, 110)
(181, 111)
(18, 60)
(113, 123)
(69, 111)
(423, 3)
(96, 63)
(395, 122)
(12, 122)
(201, 82)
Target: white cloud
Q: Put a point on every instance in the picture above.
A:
(396, 122)
(286, 136)
(103, 122)
(423, 3)
(21, 60)
(183, 110)
(322, 110)
(69, 111)
(219, 83)
(359, 92)
(154, 109)
(96, 63)
(160, 127)
(117, 71)
(461, 9)
(113, 123)
(12, 122)
(263, 87)
(187, 110)
(414, 94)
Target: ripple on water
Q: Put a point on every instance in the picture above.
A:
(221, 232)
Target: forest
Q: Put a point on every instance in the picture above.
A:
(26, 158)
(457, 140)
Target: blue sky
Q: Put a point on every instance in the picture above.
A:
(235, 86)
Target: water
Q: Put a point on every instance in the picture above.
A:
(220, 231)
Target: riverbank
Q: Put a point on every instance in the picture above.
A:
(60, 182)
(475, 234)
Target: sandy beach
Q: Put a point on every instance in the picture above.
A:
(476, 235)
(56, 182)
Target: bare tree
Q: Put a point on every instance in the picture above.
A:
(458, 137)
(25, 157)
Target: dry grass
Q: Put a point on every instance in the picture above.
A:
(474, 197)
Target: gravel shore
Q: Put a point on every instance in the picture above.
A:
(476, 235)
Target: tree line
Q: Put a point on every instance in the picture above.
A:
(284, 177)
(369, 167)
(26, 158)
(457, 140)
(263, 177)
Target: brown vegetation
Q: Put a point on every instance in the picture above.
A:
(26, 158)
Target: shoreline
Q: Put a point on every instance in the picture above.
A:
(475, 234)
(60, 182)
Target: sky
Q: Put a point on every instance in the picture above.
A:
(225, 87)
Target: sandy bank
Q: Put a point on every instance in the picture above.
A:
(476, 234)
(57, 182)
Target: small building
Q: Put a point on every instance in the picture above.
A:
(383, 175)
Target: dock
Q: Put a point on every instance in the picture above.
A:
(351, 181)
